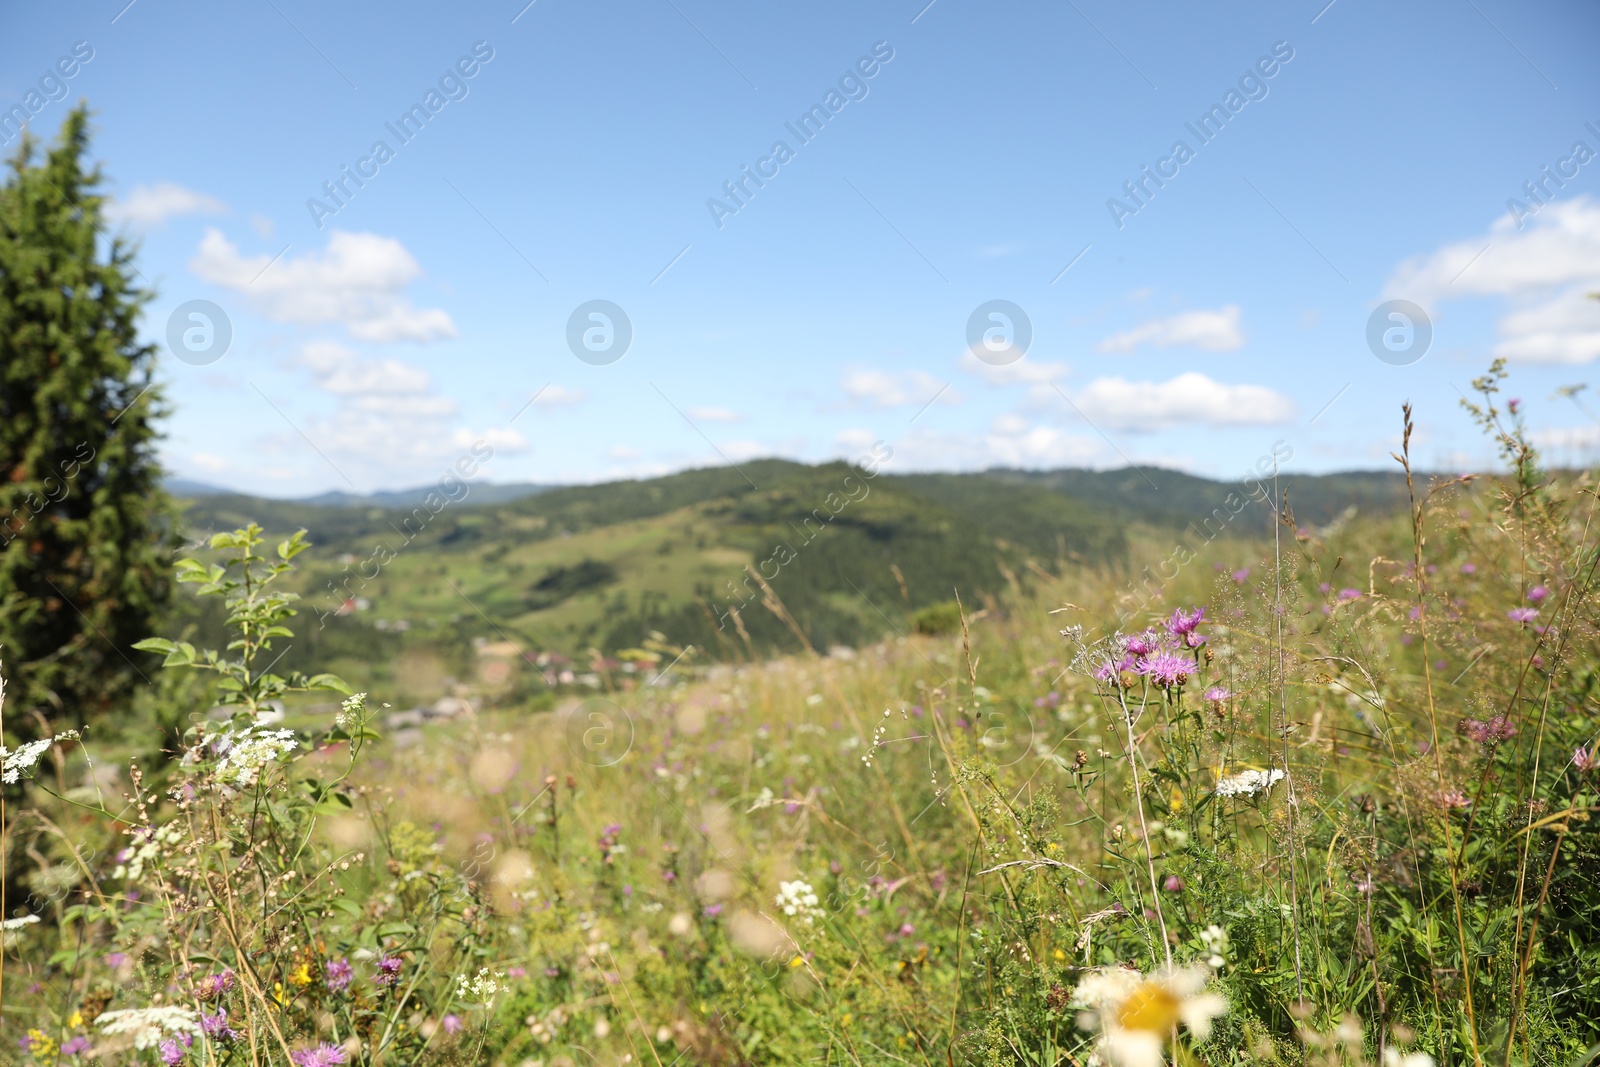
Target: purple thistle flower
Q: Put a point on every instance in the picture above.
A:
(216, 1026)
(171, 1053)
(1538, 593)
(711, 911)
(1522, 615)
(1184, 622)
(1241, 575)
(339, 972)
(115, 960)
(452, 1024)
(388, 972)
(1194, 640)
(1349, 594)
(1168, 670)
(1216, 695)
(75, 1046)
(324, 1055)
(1143, 644)
(1492, 732)
(214, 985)
(1469, 568)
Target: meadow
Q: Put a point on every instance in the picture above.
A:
(1323, 798)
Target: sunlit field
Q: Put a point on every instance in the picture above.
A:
(1327, 804)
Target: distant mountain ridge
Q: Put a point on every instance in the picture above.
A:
(480, 493)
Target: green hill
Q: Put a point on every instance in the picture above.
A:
(849, 556)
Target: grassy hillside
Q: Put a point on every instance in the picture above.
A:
(602, 567)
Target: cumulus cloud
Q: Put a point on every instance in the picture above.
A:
(148, 206)
(358, 281)
(1187, 400)
(885, 389)
(1215, 331)
(1023, 372)
(1544, 271)
(389, 424)
(1011, 441)
(714, 415)
(559, 396)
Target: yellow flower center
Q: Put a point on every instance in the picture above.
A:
(1151, 1008)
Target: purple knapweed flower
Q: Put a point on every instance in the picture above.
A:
(1215, 696)
(215, 985)
(1193, 640)
(1241, 575)
(1522, 615)
(1143, 644)
(1349, 594)
(1491, 732)
(711, 911)
(216, 1026)
(1168, 670)
(324, 1055)
(171, 1053)
(338, 972)
(1184, 622)
(115, 960)
(1538, 593)
(1469, 568)
(388, 971)
(75, 1046)
(452, 1024)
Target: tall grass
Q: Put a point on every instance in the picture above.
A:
(1342, 818)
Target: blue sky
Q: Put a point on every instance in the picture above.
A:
(375, 344)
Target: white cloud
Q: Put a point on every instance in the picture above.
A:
(1215, 331)
(1023, 372)
(1010, 442)
(209, 463)
(149, 206)
(714, 415)
(389, 426)
(623, 452)
(1189, 399)
(883, 389)
(559, 396)
(359, 281)
(1544, 270)
(1573, 437)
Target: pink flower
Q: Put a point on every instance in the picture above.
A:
(1469, 568)
(1168, 670)
(214, 985)
(171, 1053)
(339, 972)
(388, 972)
(1453, 798)
(1349, 594)
(1143, 644)
(1492, 732)
(75, 1046)
(1215, 696)
(1241, 575)
(1184, 622)
(1173, 884)
(324, 1055)
(1538, 593)
(1522, 615)
(452, 1024)
(1585, 759)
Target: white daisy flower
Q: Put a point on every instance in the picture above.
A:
(1139, 1015)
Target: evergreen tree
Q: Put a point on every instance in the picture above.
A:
(85, 527)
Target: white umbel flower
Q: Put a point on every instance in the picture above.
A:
(1248, 783)
(149, 1025)
(480, 988)
(244, 754)
(799, 901)
(1139, 1015)
(12, 764)
(1393, 1057)
(19, 922)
